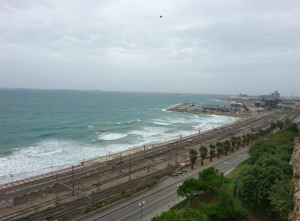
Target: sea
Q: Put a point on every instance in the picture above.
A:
(46, 130)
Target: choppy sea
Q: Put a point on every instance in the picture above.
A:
(46, 130)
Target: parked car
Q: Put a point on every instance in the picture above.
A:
(119, 162)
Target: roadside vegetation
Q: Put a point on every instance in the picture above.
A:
(259, 189)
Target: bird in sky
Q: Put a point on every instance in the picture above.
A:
(160, 16)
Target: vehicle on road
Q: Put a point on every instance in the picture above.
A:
(119, 162)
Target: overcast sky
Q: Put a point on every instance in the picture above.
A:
(215, 46)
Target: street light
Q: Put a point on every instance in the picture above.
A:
(141, 205)
(225, 165)
(178, 185)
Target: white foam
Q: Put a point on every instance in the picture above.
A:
(44, 157)
(165, 109)
(111, 136)
(59, 154)
(91, 126)
(119, 123)
(160, 123)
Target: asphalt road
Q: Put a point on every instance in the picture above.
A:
(164, 194)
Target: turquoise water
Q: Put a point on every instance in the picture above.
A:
(44, 130)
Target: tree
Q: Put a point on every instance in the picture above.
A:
(279, 124)
(191, 215)
(190, 188)
(244, 140)
(273, 125)
(212, 181)
(226, 145)
(193, 157)
(256, 135)
(219, 148)
(187, 215)
(248, 138)
(233, 142)
(287, 122)
(169, 215)
(281, 196)
(261, 175)
(203, 153)
(224, 210)
(211, 151)
(238, 142)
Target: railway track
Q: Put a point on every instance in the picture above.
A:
(83, 190)
(247, 128)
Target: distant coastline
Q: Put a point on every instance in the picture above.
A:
(183, 109)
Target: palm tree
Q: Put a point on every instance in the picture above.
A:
(261, 132)
(233, 141)
(287, 122)
(244, 140)
(193, 157)
(226, 145)
(212, 151)
(273, 125)
(219, 148)
(279, 124)
(203, 153)
(238, 142)
(248, 138)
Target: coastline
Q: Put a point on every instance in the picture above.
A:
(181, 108)
(115, 156)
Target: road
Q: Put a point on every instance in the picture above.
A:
(163, 195)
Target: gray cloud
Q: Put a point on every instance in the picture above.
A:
(197, 47)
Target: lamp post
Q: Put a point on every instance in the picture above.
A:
(178, 185)
(225, 165)
(141, 205)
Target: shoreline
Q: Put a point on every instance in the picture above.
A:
(182, 108)
(116, 156)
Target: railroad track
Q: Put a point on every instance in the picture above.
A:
(62, 211)
(245, 129)
(40, 206)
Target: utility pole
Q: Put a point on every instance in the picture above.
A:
(93, 198)
(98, 178)
(176, 151)
(181, 141)
(73, 180)
(56, 185)
(144, 154)
(152, 151)
(130, 169)
(169, 156)
(120, 163)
